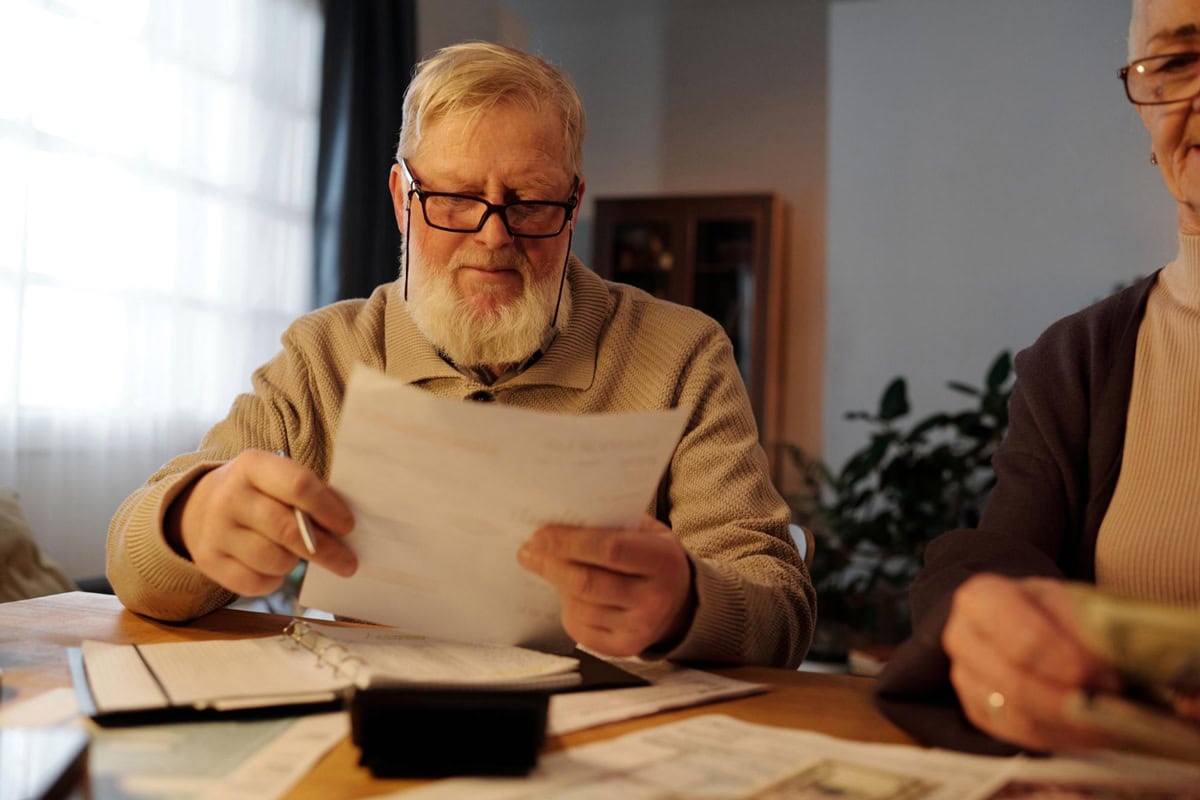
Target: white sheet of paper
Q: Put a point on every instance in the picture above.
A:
(213, 760)
(55, 707)
(223, 760)
(672, 686)
(444, 493)
(715, 756)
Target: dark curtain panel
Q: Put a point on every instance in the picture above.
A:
(370, 49)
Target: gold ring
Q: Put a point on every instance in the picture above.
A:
(995, 706)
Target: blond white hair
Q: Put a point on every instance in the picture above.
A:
(473, 77)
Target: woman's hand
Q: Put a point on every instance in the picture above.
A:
(1016, 657)
(1188, 707)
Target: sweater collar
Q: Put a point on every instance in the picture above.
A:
(569, 361)
(1181, 277)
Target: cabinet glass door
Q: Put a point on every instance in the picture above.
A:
(723, 282)
(643, 256)
(719, 254)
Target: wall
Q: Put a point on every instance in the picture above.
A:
(692, 96)
(959, 173)
(986, 176)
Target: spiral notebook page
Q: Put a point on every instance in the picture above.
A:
(310, 662)
(194, 672)
(392, 655)
(119, 678)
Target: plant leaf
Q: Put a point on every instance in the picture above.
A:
(905, 485)
(999, 371)
(894, 402)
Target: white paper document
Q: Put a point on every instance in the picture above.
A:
(55, 707)
(672, 686)
(444, 492)
(243, 760)
(716, 756)
(222, 760)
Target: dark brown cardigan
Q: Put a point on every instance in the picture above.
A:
(1055, 475)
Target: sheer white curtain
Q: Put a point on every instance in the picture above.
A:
(157, 172)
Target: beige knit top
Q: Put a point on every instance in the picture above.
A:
(623, 351)
(1149, 543)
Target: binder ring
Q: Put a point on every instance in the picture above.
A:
(301, 634)
(345, 660)
(335, 655)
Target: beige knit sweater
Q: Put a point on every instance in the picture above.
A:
(623, 351)
(1149, 543)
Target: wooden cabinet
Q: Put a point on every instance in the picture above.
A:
(722, 254)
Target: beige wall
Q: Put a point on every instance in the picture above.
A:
(959, 173)
(695, 96)
(987, 176)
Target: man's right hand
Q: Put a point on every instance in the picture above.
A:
(237, 524)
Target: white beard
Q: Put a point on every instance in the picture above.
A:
(473, 338)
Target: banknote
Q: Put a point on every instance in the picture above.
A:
(1140, 727)
(833, 779)
(1154, 646)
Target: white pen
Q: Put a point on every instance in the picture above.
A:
(302, 521)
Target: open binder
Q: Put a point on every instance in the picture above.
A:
(310, 666)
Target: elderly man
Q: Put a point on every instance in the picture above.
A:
(492, 306)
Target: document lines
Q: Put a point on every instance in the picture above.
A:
(445, 492)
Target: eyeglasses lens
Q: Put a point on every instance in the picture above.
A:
(466, 214)
(1164, 79)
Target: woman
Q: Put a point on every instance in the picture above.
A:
(1096, 480)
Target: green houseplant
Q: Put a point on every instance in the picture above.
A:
(872, 518)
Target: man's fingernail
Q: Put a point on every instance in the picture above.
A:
(525, 554)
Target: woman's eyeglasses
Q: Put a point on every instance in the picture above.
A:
(1168, 78)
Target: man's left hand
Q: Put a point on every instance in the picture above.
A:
(621, 590)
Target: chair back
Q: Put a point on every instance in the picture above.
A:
(806, 543)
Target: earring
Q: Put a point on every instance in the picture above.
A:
(1153, 158)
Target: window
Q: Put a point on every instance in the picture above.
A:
(157, 174)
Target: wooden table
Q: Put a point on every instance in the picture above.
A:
(34, 635)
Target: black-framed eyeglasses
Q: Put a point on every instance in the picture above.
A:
(1166, 78)
(464, 213)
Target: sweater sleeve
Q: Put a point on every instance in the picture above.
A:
(284, 411)
(1030, 523)
(755, 601)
